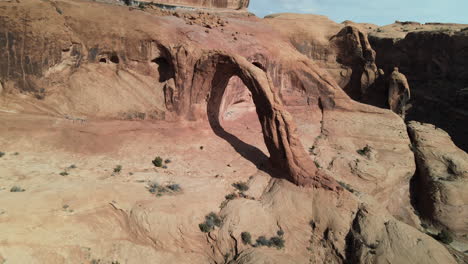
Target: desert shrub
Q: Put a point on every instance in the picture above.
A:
(164, 167)
(174, 187)
(205, 228)
(445, 237)
(73, 166)
(117, 169)
(280, 233)
(16, 153)
(262, 241)
(241, 186)
(365, 151)
(158, 162)
(2, 154)
(212, 220)
(17, 189)
(64, 173)
(128, 2)
(167, 161)
(153, 187)
(230, 196)
(277, 242)
(246, 238)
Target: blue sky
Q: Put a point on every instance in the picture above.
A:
(379, 12)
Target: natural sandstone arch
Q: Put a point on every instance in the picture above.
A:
(211, 76)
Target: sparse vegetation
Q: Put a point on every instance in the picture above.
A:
(280, 233)
(16, 153)
(118, 169)
(246, 238)
(275, 241)
(2, 154)
(262, 241)
(159, 190)
(17, 189)
(174, 187)
(241, 186)
(445, 237)
(167, 161)
(230, 196)
(212, 220)
(73, 166)
(158, 162)
(64, 173)
(365, 151)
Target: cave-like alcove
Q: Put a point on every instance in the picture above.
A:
(165, 69)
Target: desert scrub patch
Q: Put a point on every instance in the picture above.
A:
(17, 189)
(444, 236)
(364, 151)
(274, 241)
(212, 220)
(159, 190)
(64, 173)
(2, 154)
(174, 187)
(246, 238)
(118, 169)
(231, 196)
(346, 186)
(241, 186)
(73, 166)
(158, 162)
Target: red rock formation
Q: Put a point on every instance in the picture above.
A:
(343, 50)
(435, 63)
(398, 92)
(230, 4)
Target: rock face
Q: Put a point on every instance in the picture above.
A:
(343, 50)
(230, 4)
(435, 63)
(441, 179)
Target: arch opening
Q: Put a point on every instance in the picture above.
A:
(230, 100)
(288, 157)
